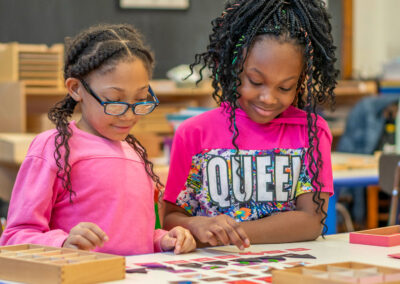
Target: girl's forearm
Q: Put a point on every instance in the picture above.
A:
(173, 219)
(291, 226)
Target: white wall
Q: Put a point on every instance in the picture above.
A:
(376, 36)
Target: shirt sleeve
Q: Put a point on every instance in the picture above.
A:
(158, 235)
(31, 205)
(180, 164)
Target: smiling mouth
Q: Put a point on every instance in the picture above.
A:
(263, 110)
(123, 127)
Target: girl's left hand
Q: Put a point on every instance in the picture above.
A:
(180, 239)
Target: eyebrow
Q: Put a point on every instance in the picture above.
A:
(259, 72)
(123, 90)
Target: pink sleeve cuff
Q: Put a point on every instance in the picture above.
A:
(158, 235)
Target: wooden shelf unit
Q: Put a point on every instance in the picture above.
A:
(37, 65)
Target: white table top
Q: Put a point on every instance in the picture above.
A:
(335, 248)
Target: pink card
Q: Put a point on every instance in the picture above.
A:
(226, 256)
(273, 251)
(298, 249)
(203, 259)
(176, 261)
(394, 255)
(251, 253)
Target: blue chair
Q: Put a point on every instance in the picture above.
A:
(331, 219)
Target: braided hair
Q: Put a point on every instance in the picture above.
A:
(97, 47)
(300, 22)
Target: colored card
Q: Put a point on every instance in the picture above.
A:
(176, 261)
(267, 279)
(203, 259)
(183, 282)
(241, 282)
(248, 259)
(195, 276)
(298, 249)
(182, 271)
(251, 253)
(268, 258)
(394, 255)
(136, 270)
(230, 271)
(149, 264)
(216, 262)
(297, 263)
(260, 267)
(244, 275)
(191, 265)
(273, 251)
(246, 263)
(212, 267)
(157, 266)
(297, 255)
(213, 279)
(229, 256)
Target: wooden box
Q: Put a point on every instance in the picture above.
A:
(41, 264)
(386, 236)
(37, 65)
(336, 273)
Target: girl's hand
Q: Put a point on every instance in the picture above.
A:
(218, 230)
(180, 239)
(86, 236)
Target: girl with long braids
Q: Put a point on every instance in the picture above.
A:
(258, 168)
(89, 184)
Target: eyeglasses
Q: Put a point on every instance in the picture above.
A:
(120, 108)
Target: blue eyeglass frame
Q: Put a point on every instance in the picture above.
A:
(156, 102)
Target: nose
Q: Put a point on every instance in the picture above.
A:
(128, 115)
(268, 97)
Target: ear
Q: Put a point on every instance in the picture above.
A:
(74, 88)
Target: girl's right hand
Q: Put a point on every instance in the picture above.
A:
(221, 229)
(86, 236)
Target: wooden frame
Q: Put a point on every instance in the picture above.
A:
(347, 40)
(154, 4)
(43, 264)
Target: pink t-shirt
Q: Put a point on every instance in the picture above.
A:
(274, 165)
(112, 190)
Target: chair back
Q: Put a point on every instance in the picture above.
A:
(387, 169)
(389, 181)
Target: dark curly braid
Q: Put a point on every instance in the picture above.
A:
(301, 22)
(96, 47)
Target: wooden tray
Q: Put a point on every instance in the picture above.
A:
(42, 264)
(386, 236)
(336, 273)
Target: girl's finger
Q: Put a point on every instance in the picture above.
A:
(219, 231)
(189, 243)
(97, 230)
(242, 238)
(211, 239)
(92, 237)
(179, 236)
(81, 242)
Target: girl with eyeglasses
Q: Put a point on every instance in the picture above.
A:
(89, 184)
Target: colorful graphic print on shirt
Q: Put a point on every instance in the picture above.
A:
(271, 181)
